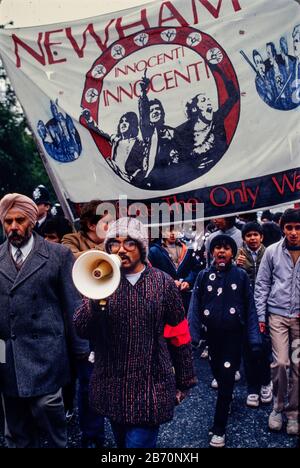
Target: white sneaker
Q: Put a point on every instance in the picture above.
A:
(217, 441)
(275, 421)
(237, 376)
(266, 393)
(214, 384)
(292, 427)
(253, 400)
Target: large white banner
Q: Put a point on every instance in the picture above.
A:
(180, 100)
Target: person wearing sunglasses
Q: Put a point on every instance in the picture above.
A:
(143, 357)
(277, 297)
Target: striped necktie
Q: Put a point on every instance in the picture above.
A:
(18, 258)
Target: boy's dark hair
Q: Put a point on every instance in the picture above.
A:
(248, 227)
(267, 215)
(88, 215)
(291, 215)
(248, 217)
(271, 232)
(277, 216)
(230, 221)
(223, 240)
(58, 225)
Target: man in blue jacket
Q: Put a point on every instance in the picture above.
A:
(277, 298)
(183, 264)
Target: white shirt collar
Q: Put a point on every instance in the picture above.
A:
(134, 277)
(25, 249)
(41, 220)
(254, 253)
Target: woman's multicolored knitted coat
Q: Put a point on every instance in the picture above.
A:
(142, 350)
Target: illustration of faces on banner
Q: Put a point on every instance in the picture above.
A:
(60, 138)
(277, 71)
(180, 104)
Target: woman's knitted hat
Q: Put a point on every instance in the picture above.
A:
(129, 227)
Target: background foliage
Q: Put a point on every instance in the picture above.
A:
(21, 168)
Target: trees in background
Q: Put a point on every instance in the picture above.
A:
(21, 168)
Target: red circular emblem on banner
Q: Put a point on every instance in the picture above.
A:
(157, 156)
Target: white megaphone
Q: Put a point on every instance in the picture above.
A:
(97, 274)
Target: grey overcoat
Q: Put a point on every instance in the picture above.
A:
(36, 309)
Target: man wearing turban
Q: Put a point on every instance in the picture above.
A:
(37, 303)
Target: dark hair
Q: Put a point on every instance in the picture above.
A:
(252, 226)
(156, 102)
(192, 104)
(88, 215)
(271, 233)
(267, 215)
(273, 48)
(277, 216)
(283, 44)
(247, 217)
(132, 119)
(41, 128)
(230, 221)
(255, 53)
(223, 240)
(291, 215)
(58, 225)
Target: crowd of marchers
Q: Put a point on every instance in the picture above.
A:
(234, 294)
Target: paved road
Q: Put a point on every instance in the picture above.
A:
(247, 427)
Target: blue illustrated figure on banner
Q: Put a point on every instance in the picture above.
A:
(277, 79)
(59, 136)
(296, 44)
(262, 82)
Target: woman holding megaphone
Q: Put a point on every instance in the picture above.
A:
(140, 337)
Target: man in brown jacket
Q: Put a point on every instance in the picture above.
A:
(91, 424)
(86, 238)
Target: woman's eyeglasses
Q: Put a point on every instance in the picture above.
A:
(115, 245)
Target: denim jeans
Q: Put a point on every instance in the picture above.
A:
(129, 436)
(90, 423)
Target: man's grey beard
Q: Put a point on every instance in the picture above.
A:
(19, 241)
